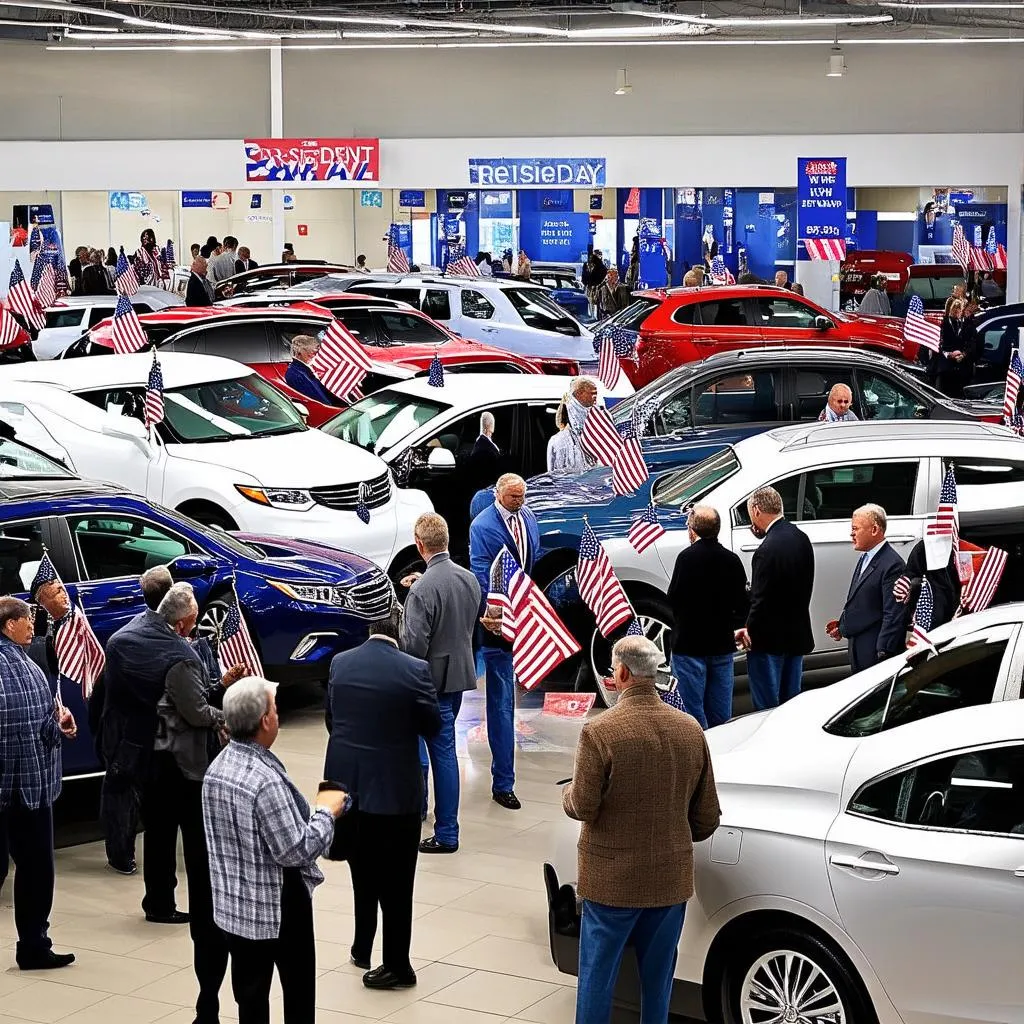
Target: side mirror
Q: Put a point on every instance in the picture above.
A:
(823, 323)
(303, 410)
(440, 458)
(189, 567)
(128, 428)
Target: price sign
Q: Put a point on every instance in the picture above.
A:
(821, 197)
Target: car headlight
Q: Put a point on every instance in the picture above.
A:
(289, 498)
(312, 594)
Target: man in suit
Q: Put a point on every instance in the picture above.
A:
(636, 855)
(872, 619)
(244, 263)
(440, 617)
(300, 377)
(708, 598)
(778, 630)
(506, 523)
(484, 459)
(380, 701)
(199, 291)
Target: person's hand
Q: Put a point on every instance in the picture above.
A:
(332, 800)
(229, 290)
(492, 623)
(224, 735)
(742, 638)
(832, 628)
(957, 356)
(66, 722)
(408, 581)
(901, 589)
(232, 675)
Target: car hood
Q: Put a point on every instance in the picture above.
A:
(890, 327)
(970, 408)
(306, 458)
(299, 561)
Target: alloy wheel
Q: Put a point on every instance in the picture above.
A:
(212, 619)
(784, 987)
(654, 628)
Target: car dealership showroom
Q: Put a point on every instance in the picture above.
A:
(545, 475)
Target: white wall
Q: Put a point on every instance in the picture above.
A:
(328, 216)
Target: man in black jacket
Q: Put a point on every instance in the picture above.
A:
(379, 703)
(199, 291)
(778, 630)
(708, 597)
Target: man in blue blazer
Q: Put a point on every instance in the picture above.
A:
(506, 523)
(301, 378)
(872, 620)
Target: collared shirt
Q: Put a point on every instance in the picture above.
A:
(257, 824)
(387, 639)
(514, 524)
(29, 735)
(869, 554)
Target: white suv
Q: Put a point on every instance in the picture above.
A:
(232, 450)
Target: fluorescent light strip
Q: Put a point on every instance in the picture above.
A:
(929, 6)
(796, 20)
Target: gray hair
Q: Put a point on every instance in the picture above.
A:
(486, 422)
(155, 583)
(178, 603)
(640, 656)
(767, 499)
(431, 531)
(873, 512)
(304, 344)
(245, 704)
(508, 480)
(581, 382)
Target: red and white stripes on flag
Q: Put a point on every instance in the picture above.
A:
(46, 289)
(645, 530)
(599, 586)
(340, 362)
(608, 369)
(12, 333)
(599, 436)
(918, 328)
(126, 332)
(541, 639)
(1014, 374)
(235, 645)
(977, 595)
(629, 470)
(826, 249)
(22, 300)
(79, 654)
(961, 248)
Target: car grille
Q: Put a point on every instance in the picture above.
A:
(345, 497)
(371, 599)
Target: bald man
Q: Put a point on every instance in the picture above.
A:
(838, 410)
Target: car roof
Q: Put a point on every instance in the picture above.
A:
(192, 314)
(180, 369)
(848, 434)
(480, 388)
(1014, 310)
(788, 353)
(722, 291)
(145, 291)
(29, 490)
(454, 280)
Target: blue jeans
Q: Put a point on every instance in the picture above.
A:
(705, 684)
(439, 753)
(653, 933)
(501, 718)
(774, 678)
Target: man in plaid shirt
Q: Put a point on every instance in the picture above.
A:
(263, 845)
(31, 726)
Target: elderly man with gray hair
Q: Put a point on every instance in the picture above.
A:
(872, 618)
(300, 376)
(263, 844)
(636, 855)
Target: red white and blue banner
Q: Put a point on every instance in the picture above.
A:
(821, 207)
(325, 161)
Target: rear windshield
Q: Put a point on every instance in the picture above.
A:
(681, 489)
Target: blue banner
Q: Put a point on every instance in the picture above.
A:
(570, 172)
(412, 199)
(189, 200)
(557, 199)
(821, 197)
(496, 205)
(554, 237)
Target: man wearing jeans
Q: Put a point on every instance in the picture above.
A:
(440, 616)
(708, 597)
(636, 855)
(778, 630)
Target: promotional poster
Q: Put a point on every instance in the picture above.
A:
(329, 161)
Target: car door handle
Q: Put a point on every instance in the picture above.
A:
(1019, 873)
(860, 864)
(749, 547)
(903, 538)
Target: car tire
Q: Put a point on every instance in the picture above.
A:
(212, 617)
(209, 515)
(782, 962)
(402, 568)
(655, 619)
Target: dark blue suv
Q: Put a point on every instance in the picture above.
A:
(303, 601)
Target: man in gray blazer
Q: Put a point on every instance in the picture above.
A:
(440, 617)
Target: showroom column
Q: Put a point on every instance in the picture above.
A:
(277, 132)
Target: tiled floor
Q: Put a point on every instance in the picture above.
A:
(480, 933)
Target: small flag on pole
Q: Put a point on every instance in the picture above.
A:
(235, 646)
(977, 595)
(155, 393)
(459, 262)
(340, 362)
(12, 333)
(961, 248)
(435, 375)
(922, 617)
(167, 255)
(22, 300)
(599, 436)
(720, 273)
(629, 470)
(918, 328)
(126, 331)
(645, 530)
(503, 568)
(44, 280)
(398, 262)
(599, 586)
(125, 280)
(1014, 375)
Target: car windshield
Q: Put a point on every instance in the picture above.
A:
(20, 463)
(537, 309)
(221, 537)
(382, 419)
(684, 487)
(653, 393)
(939, 287)
(227, 410)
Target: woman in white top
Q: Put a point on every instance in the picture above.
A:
(565, 453)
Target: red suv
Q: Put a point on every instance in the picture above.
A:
(684, 325)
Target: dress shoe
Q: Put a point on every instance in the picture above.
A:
(47, 961)
(508, 800)
(174, 917)
(360, 962)
(383, 978)
(433, 845)
(130, 868)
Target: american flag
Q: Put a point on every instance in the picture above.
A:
(720, 273)
(614, 343)
(1013, 378)
(623, 340)
(979, 259)
(629, 470)
(922, 617)
(12, 333)
(435, 376)
(978, 593)
(44, 280)
(645, 530)
(918, 328)
(961, 248)
(599, 586)
(635, 629)
(997, 256)
(167, 255)
(459, 262)
(235, 646)
(126, 332)
(363, 511)
(126, 282)
(22, 300)
(825, 249)
(46, 572)
(948, 518)
(340, 361)
(155, 393)
(599, 436)
(541, 639)
(398, 262)
(503, 568)
(1017, 424)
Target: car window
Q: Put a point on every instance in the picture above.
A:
(20, 463)
(834, 492)
(724, 313)
(190, 341)
(399, 328)
(960, 676)
(284, 332)
(436, 304)
(674, 413)
(685, 313)
(111, 546)
(634, 315)
(738, 398)
(813, 385)
(684, 487)
(246, 343)
(883, 398)
(997, 341)
(781, 314)
(935, 289)
(475, 305)
(980, 790)
(100, 313)
(70, 317)
(534, 447)
(21, 551)
(380, 420)
(459, 436)
(410, 295)
(359, 323)
(478, 366)
(789, 489)
(984, 484)
(537, 309)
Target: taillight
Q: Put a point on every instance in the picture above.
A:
(997, 418)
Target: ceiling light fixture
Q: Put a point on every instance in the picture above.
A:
(927, 5)
(795, 21)
(835, 66)
(622, 86)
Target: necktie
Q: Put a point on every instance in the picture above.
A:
(860, 564)
(517, 535)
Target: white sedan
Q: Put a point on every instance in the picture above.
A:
(870, 862)
(232, 451)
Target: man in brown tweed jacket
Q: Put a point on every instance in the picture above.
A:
(644, 789)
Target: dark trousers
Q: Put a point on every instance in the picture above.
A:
(120, 807)
(161, 814)
(181, 806)
(383, 866)
(292, 952)
(29, 834)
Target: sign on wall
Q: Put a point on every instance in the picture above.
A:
(821, 206)
(578, 172)
(558, 238)
(412, 199)
(195, 200)
(128, 201)
(371, 197)
(330, 161)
